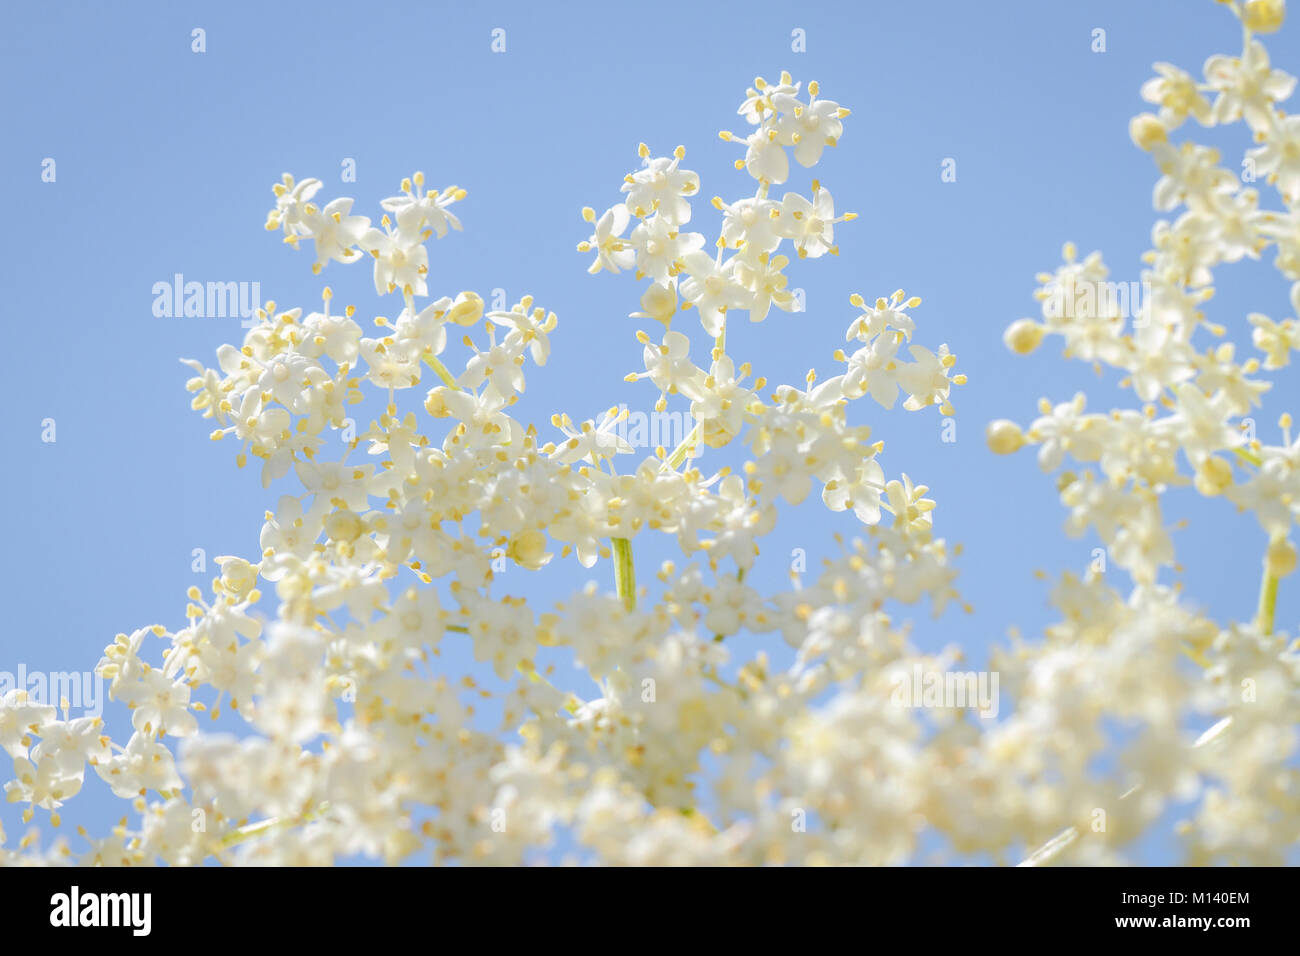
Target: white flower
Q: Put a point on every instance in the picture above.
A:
(668, 365)
(766, 282)
(660, 248)
(161, 705)
(1200, 423)
(529, 326)
(751, 223)
(391, 362)
(1064, 428)
(886, 314)
(765, 157)
(759, 105)
(1175, 91)
(504, 632)
(500, 365)
(712, 288)
(721, 404)
(612, 251)
(814, 127)
(592, 442)
(291, 200)
(1247, 86)
(416, 209)
(335, 336)
(20, 718)
(662, 188)
(144, 764)
(874, 369)
(401, 261)
(1276, 339)
(810, 224)
(335, 232)
(46, 784)
(1279, 158)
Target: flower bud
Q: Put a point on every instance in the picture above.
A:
(528, 549)
(1004, 437)
(237, 576)
(1281, 558)
(717, 432)
(1213, 477)
(659, 302)
(1264, 16)
(1023, 336)
(436, 402)
(1146, 131)
(467, 309)
(344, 525)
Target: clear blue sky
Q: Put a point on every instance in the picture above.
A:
(165, 159)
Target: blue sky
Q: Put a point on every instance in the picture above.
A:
(165, 158)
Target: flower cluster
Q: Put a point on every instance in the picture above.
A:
(1197, 392)
(693, 748)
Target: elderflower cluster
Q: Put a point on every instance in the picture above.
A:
(680, 744)
(1197, 392)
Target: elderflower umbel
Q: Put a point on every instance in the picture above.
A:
(681, 744)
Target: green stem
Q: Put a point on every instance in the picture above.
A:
(274, 823)
(679, 453)
(1267, 602)
(624, 572)
(433, 362)
(1247, 456)
(429, 358)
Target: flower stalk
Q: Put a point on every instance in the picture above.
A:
(624, 572)
(1267, 601)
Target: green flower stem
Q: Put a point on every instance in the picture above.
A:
(274, 823)
(434, 363)
(679, 453)
(624, 572)
(1248, 456)
(1267, 602)
(429, 358)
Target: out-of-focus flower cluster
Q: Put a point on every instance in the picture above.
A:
(1198, 392)
(696, 750)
